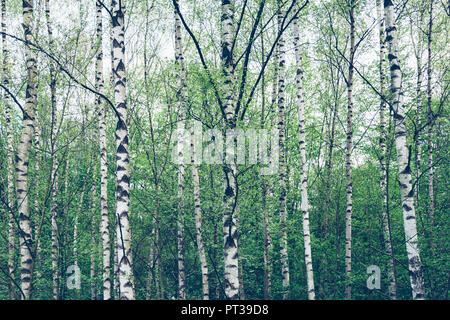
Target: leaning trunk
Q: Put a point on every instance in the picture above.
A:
(403, 158)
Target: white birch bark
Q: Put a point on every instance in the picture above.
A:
(392, 280)
(55, 165)
(182, 99)
(403, 157)
(430, 119)
(231, 256)
(122, 155)
(93, 233)
(55, 243)
(10, 155)
(101, 108)
(303, 174)
(151, 262)
(23, 154)
(348, 160)
(282, 165)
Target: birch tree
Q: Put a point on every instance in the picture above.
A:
(282, 158)
(10, 148)
(123, 232)
(101, 109)
(403, 157)
(23, 154)
(303, 174)
(392, 279)
(182, 99)
(348, 158)
(231, 259)
(430, 115)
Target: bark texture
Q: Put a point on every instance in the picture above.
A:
(303, 174)
(348, 158)
(230, 236)
(10, 155)
(403, 157)
(126, 279)
(182, 99)
(282, 158)
(23, 154)
(392, 279)
(101, 108)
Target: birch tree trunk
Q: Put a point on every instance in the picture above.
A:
(116, 236)
(383, 175)
(241, 263)
(23, 154)
(151, 260)
(55, 164)
(403, 158)
(93, 231)
(231, 256)
(116, 268)
(303, 174)
(101, 108)
(158, 261)
(419, 123)
(198, 224)
(122, 155)
(10, 154)
(392, 279)
(55, 243)
(282, 165)
(37, 135)
(430, 118)
(419, 107)
(348, 161)
(182, 99)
